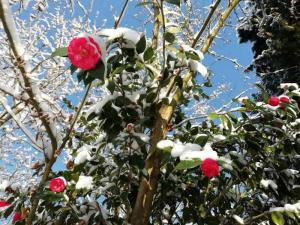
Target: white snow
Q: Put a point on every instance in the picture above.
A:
(142, 136)
(296, 123)
(219, 137)
(133, 96)
(290, 172)
(259, 164)
(198, 67)
(288, 85)
(187, 48)
(268, 183)
(178, 149)
(269, 107)
(191, 151)
(83, 155)
(84, 182)
(130, 35)
(4, 184)
(238, 219)
(189, 155)
(226, 162)
(287, 207)
(242, 99)
(165, 144)
(207, 147)
(97, 108)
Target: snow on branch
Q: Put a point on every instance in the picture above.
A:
(20, 124)
(34, 93)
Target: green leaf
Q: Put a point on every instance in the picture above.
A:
(98, 72)
(213, 116)
(179, 81)
(201, 139)
(277, 218)
(194, 56)
(60, 52)
(148, 54)
(118, 70)
(290, 214)
(166, 154)
(169, 37)
(81, 75)
(188, 164)
(174, 2)
(150, 97)
(232, 117)
(73, 69)
(141, 45)
(111, 86)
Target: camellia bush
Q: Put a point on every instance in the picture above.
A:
(134, 155)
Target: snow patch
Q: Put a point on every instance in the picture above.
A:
(198, 67)
(97, 108)
(288, 85)
(143, 137)
(191, 151)
(84, 182)
(4, 184)
(165, 144)
(131, 36)
(268, 183)
(287, 207)
(238, 219)
(83, 155)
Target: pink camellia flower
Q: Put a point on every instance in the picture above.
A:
(130, 127)
(210, 168)
(17, 216)
(273, 101)
(284, 99)
(57, 184)
(84, 52)
(4, 204)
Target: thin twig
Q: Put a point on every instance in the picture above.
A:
(66, 138)
(117, 23)
(218, 111)
(251, 219)
(206, 22)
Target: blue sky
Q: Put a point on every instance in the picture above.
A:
(224, 71)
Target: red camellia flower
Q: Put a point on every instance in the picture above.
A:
(84, 52)
(273, 101)
(4, 204)
(210, 168)
(57, 184)
(284, 99)
(17, 216)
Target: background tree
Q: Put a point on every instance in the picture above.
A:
(273, 27)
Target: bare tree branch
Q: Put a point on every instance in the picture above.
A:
(22, 127)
